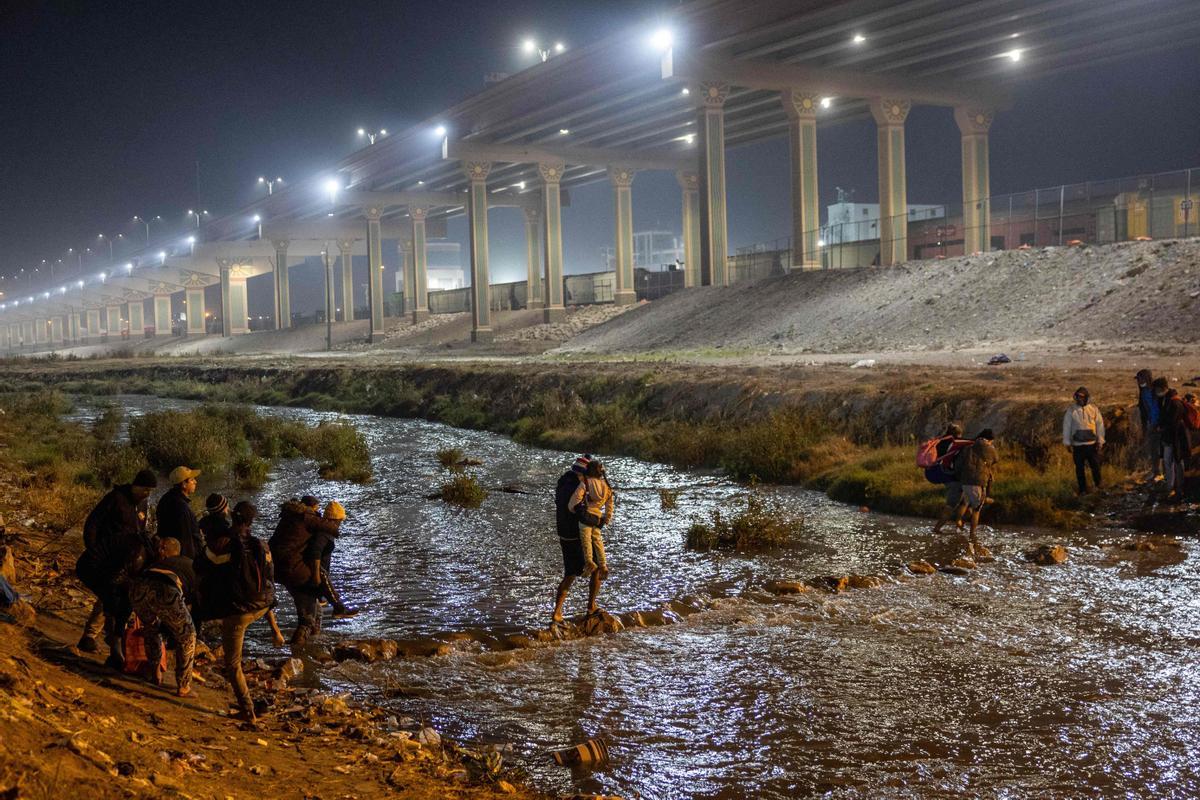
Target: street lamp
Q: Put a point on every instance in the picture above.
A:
(331, 186)
(146, 222)
(199, 215)
(102, 238)
(372, 135)
(270, 184)
(258, 221)
(530, 46)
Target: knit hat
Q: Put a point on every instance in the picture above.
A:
(1082, 390)
(146, 479)
(216, 503)
(581, 464)
(986, 433)
(335, 511)
(310, 501)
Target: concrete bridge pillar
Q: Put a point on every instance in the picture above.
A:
(346, 248)
(56, 330)
(93, 322)
(622, 181)
(477, 207)
(41, 331)
(375, 273)
(233, 298)
(533, 261)
(714, 236)
(890, 114)
(137, 318)
(420, 263)
(552, 247)
(689, 183)
(28, 333)
(6, 337)
(404, 247)
(193, 299)
(973, 124)
(330, 294)
(801, 108)
(283, 293)
(162, 312)
(113, 314)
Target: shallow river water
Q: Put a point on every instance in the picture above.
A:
(1014, 681)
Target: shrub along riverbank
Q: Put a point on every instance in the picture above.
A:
(853, 438)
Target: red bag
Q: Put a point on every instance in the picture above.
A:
(1191, 416)
(135, 649)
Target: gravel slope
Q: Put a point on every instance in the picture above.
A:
(1118, 294)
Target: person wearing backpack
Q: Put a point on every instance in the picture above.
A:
(239, 588)
(1083, 434)
(1176, 445)
(944, 449)
(975, 467)
(1149, 409)
(160, 596)
(593, 502)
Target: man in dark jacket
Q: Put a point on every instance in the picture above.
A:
(567, 524)
(175, 516)
(160, 595)
(297, 524)
(975, 467)
(1149, 409)
(115, 549)
(1176, 446)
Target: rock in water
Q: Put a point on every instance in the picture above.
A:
(830, 583)
(1047, 555)
(786, 587)
(965, 563)
(368, 650)
(864, 581)
(600, 622)
(922, 568)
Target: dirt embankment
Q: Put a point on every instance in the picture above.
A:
(1115, 295)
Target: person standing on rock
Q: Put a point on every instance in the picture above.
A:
(568, 537)
(175, 516)
(1149, 410)
(975, 467)
(160, 596)
(116, 547)
(238, 589)
(1083, 434)
(593, 502)
(298, 523)
(947, 448)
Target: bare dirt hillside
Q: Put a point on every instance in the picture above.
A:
(1143, 292)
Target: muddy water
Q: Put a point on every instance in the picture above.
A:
(1015, 681)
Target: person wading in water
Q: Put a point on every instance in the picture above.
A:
(568, 537)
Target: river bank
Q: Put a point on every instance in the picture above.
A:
(850, 433)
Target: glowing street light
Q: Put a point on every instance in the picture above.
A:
(1013, 55)
(162, 256)
(332, 186)
(371, 136)
(146, 222)
(440, 131)
(102, 238)
(530, 46)
(858, 38)
(198, 215)
(662, 39)
(270, 184)
(257, 219)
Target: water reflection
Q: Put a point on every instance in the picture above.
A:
(1013, 682)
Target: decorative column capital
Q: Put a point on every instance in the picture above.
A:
(224, 264)
(973, 120)
(711, 94)
(551, 171)
(621, 177)
(688, 181)
(476, 171)
(345, 245)
(280, 244)
(890, 110)
(418, 213)
(373, 213)
(801, 104)
(162, 289)
(532, 214)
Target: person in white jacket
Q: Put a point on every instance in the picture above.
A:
(1083, 432)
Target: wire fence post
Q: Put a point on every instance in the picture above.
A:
(1062, 193)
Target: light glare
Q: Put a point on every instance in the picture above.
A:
(662, 39)
(1013, 55)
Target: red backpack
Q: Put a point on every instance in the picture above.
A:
(1191, 416)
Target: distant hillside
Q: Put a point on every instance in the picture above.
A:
(1143, 292)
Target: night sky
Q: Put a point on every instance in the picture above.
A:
(107, 107)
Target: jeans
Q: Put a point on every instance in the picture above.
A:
(1086, 455)
(593, 545)
(1172, 468)
(233, 635)
(308, 612)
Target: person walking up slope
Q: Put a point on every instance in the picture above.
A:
(1083, 433)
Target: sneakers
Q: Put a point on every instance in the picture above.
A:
(344, 612)
(87, 644)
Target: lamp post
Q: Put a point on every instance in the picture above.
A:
(199, 215)
(371, 136)
(102, 238)
(146, 222)
(270, 183)
(530, 46)
(328, 297)
(258, 222)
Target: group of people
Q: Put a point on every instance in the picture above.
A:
(192, 570)
(966, 467)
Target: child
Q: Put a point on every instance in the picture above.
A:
(593, 503)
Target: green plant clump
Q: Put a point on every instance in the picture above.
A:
(463, 490)
(764, 524)
(669, 498)
(341, 452)
(451, 458)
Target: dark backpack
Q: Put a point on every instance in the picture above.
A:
(252, 578)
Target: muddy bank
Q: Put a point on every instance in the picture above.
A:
(848, 432)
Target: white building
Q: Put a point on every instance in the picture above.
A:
(652, 250)
(859, 222)
(444, 269)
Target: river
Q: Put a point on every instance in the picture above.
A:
(1013, 681)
